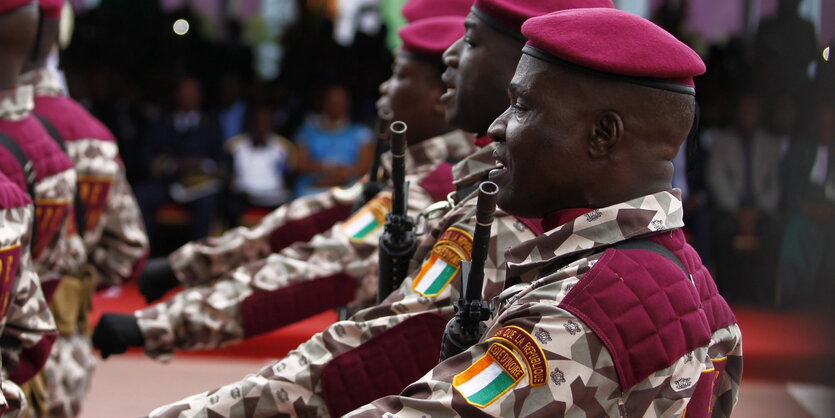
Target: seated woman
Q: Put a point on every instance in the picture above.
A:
(332, 150)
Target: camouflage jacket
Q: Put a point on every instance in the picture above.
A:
(335, 268)
(57, 250)
(113, 234)
(295, 386)
(575, 337)
(27, 330)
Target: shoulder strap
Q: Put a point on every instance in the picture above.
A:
(78, 205)
(26, 165)
(645, 244)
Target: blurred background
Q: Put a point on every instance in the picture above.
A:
(187, 86)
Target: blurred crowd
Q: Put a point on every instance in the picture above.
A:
(215, 146)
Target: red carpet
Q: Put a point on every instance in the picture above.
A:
(794, 346)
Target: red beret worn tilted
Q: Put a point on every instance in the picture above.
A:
(508, 15)
(51, 9)
(11, 5)
(614, 43)
(432, 36)
(415, 10)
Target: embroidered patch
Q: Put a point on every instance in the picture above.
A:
(9, 261)
(371, 217)
(94, 191)
(49, 218)
(530, 350)
(444, 262)
(490, 377)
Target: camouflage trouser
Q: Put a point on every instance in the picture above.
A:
(291, 385)
(67, 375)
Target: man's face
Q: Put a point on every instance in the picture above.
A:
(479, 66)
(542, 141)
(412, 92)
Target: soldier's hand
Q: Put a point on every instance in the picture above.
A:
(157, 279)
(115, 333)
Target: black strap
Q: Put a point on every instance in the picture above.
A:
(78, 204)
(645, 244)
(26, 166)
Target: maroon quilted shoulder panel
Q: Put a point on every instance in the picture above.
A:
(11, 195)
(383, 365)
(39, 147)
(266, 311)
(71, 120)
(303, 229)
(11, 168)
(643, 308)
(438, 183)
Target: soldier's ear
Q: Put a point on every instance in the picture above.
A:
(606, 133)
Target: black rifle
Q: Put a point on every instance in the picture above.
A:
(397, 244)
(375, 183)
(467, 327)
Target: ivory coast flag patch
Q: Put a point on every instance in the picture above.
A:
(371, 217)
(452, 247)
(490, 377)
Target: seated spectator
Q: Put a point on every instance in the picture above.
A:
(185, 159)
(260, 160)
(332, 150)
(805, 270)
(743, 177)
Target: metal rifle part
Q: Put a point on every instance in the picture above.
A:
(467, 327)
(375, 183)
(398, 242)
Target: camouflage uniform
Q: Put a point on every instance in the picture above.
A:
(27, 330)
(332, 269)
(538, 358)
(113, 236)
(294, 385)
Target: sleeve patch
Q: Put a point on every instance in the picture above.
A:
(490, 377)
(9, 262)
(50, 217)
(534, 356)
(370, 218)
(94, 192)
(452, 247)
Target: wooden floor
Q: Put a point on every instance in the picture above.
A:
(132, 385)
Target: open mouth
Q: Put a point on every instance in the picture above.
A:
(450, 91)
(501, 167)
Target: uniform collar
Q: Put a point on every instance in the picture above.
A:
(16, 103)
(425, 156)
(597, 228)
(474, 168)
(46, 81)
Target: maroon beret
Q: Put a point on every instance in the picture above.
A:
(11, 5)
(508, 15)
(430, 37)
(421, 9)
(614, 43)
(51, 9)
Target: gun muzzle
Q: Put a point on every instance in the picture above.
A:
(486, 205)
(384, 117)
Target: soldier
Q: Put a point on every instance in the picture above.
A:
(615, 315)
(26, 326)
(205, 261)
(380, 350)
(333, 268)
(107, 216)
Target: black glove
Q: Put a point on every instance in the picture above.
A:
(157, 279)
(115, 333)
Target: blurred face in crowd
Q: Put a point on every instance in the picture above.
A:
(479, 66)
(17, 38)
(261, 124)
(336, 103)
(189, 96)
(748, 114)
(413, 93)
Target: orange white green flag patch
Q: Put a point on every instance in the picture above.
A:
(489, 377)
(371, 217)
(452, 247)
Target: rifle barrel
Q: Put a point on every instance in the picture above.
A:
(485, 209)
(398, 170)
